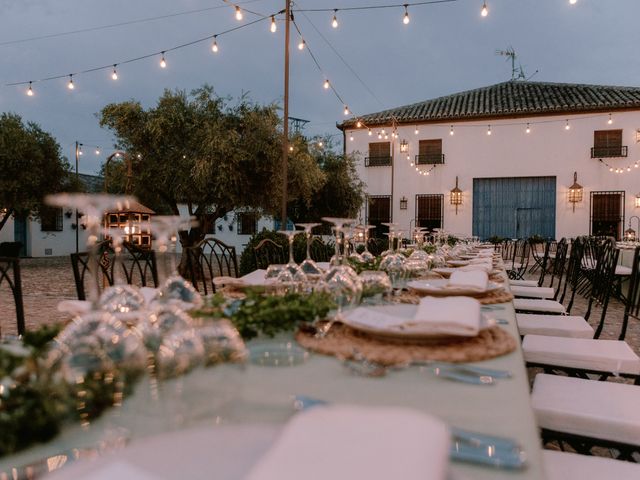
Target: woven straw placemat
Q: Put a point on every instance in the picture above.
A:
(345, 343)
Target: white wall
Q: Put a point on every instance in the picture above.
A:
(549, 150)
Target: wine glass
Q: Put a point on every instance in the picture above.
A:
(341, 281)
(94, 206)
(375, 286)
(123, 300)
(292, 266)
(339, 224)
(309, 266)
(350, 252)
(174, 288)
(367, 256)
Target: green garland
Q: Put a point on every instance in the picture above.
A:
(268, 314)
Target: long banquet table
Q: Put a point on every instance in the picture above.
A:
(223, 418)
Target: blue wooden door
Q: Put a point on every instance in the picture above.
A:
(514, 207)
(20, 233)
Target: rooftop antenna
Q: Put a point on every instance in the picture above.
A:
(517, 72)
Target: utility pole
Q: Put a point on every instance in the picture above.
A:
(285, 116)
(77, 183)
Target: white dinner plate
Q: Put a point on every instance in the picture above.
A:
(440, 288)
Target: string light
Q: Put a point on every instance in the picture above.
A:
(370, 132)
(406, 18)
(114, 75)
(451, 130)
(386, 137)
(320, 143)
(489, 130)
(358, 124)
(567, 126)
(214, 47)
(346, 110)
(485, 11)
(301, 44)
(351, 137)
(528, 130)
(30, 90)
(572, 2)
(334, 22)
(70, 85)
(610, 121)
(383, 131)
(163, 62)
(379, 135)
(274, 27)
(416, 131)
(238, 13)
(326, 84)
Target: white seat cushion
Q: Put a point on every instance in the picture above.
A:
(573, 466)
(602, 355)
(622, 270)
(535, 305)
(532, 292)
(523, 283)
(554, 325)
(602, 410)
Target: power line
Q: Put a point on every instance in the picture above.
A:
(115, 25)
(372, 7)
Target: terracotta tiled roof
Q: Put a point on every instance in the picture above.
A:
(509, 99)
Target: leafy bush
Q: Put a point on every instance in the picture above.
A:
(495, 239)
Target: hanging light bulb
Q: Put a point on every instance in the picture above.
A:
(334, 22)
(636, 165)
(489, 130)
(114, 75)
(238, 13)
(416, 131)
(358, 124)
(291, 148)
(567, 126)
(326, 84)
(163, 62)
(528, 129)
(406, 18)
(97, 150)
(70, 85)
(273, 27)
(346, 110)
(611, 169)
(610, 121)
(485, 11)
(370, 132)
(351, 137)
(386, 137)
(628, 169)
(451, 130)
(301, 44)
(408, 157)
(30, 90)
(383, 131)
(80, 150)
(214, 47)
(379, 135)
(320, 143)
(573, 2)
(411, 164)
(427, 173)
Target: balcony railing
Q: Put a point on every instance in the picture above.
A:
(430, 159)
(617, 151)
(377, 161)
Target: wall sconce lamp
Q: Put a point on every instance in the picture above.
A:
(456, 196)
(575, 191)
(403, 203)
(637, 201)
(404, 146)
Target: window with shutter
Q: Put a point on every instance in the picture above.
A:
(607, 213)
(429, 210)
(247, 223)
(379, 154)
(430, 152)
(51, 219)
(608, 143)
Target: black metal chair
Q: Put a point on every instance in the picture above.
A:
(10, 249)
(10, 274)
(139, 267)
(208, 259)
(515, 254)
(268, 252)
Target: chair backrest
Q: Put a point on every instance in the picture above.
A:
(10, 249)
(10, 275)
(139, 265)
(516, 256)
(604, 279)
(320, 251)
(268, 252)
(81, 268)
(208, 259)
(632, 307)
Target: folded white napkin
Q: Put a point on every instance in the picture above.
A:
(449, 315)
(474, 280)
(255, 278)
(483, 267)
(349, 442)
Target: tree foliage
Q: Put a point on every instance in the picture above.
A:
(31, 167)
(211, 154)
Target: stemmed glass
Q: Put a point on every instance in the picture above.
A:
(367, 256)
(394, 262)
(174, 288)
(294, 269)
(349, 235)
(94, 207)
(309, 266)
(341, 281)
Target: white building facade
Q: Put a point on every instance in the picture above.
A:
(513, 148)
